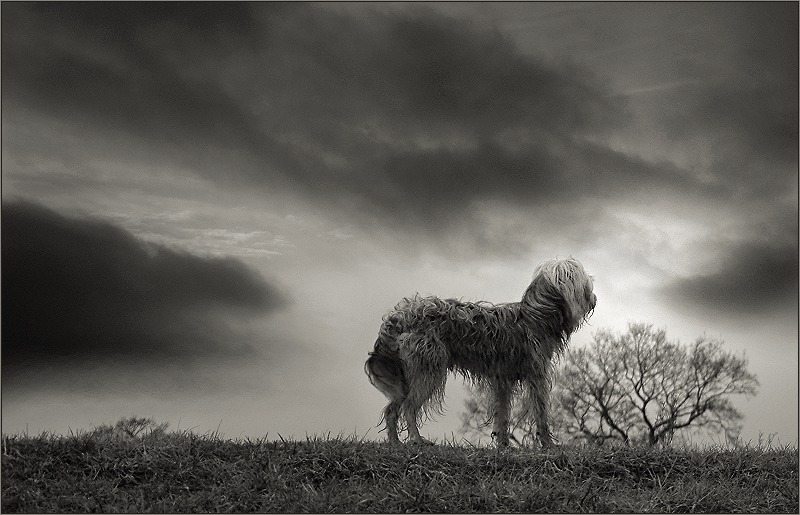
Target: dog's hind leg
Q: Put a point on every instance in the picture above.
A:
(386, 373)
(419, 392)
(391, 413)
(415, 437)
(411, 414)
(501, 403)
(426, 373)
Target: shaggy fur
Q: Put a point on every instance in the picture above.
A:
(506, 348)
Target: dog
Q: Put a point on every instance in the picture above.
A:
(505, 348)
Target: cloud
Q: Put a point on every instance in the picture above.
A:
(753, 279)
(745, 107)
(83, 287)
(101, 70)
(413, 117)
(392, 118)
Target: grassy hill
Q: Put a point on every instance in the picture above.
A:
(112, 471)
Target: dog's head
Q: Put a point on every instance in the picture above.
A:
(570, 280)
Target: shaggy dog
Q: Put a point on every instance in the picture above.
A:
(506, 348)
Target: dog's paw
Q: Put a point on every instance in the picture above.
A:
(550, 446)
(500, 439)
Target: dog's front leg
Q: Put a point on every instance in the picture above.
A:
(500, 411)
(541, 415)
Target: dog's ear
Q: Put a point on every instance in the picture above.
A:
(561, 293)
(546, 304)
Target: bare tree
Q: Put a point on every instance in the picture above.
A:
(638, 387)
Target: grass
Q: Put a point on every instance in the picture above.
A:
(112, 471)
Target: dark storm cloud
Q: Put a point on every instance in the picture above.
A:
(84, 287)
(402, 116)
(90, 64)
(405, 119)
(752, 132)
(753, 279)
(746, 105)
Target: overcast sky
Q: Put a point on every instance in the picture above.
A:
(208, 208)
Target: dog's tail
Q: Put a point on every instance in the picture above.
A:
(385, 369)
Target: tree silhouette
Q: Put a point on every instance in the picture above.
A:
(637, 388)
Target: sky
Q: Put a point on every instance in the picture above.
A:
(207, 208)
